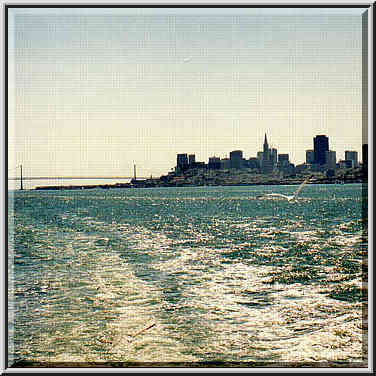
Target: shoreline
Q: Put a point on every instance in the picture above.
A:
(153, 184)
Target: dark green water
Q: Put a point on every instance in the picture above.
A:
(221, 274)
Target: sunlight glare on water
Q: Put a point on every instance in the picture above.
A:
(187, 275)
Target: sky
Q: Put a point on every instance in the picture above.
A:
(93, 92)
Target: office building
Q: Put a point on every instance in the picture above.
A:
(200, 165)
(214, 163)
(301, 168)
(331, 159)
(273, 156)
(284, 164)
(236, 157)
(191, 159)
(253, 163)
(225, 164)
(352, 156)
(310, 156)
(346, 164)
(182, 162)
(283, 159)
(321, 146)
(365, 155)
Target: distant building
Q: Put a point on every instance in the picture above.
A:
(273, 156)
(253, 163)
(267, 166)
(291, 169)
(331, 159)
(236, 157)
(266, 152)
(310, 156)
(346, 164)
(315, 167)
(365, 155)
(214, 163)
(182, 162)
(283, 159)
(321, 145)
(191, 159)
(301, 168)
(284, 165)
(267, 162)
(200, 165)
(352, 156)
(225, 164)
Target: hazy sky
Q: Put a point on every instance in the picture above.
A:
(94, 91)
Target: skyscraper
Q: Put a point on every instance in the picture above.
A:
(365, 155)
(182, 162)
(331, 159)
(267, 163)
(236, 157)
(283, 159)
(321, 145)
(352, 156)
(191, 159)
(214, 163)
(266, 149)
(273, 156)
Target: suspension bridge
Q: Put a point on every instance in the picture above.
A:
(74, 177)
(24, 178)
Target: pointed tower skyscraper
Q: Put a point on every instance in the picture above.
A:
(266, 165)
(266, 148)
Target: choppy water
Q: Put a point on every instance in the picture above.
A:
(221, 274)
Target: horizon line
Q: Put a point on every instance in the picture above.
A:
(74, 177)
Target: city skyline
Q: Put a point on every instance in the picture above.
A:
(320, 155)
(348, 155)
(97, 91)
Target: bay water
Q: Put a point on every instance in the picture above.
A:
(188, 274)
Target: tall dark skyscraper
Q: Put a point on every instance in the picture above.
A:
(236, 159)
(321, 146)
(182, 162)
(365, 155)
(191, 159)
